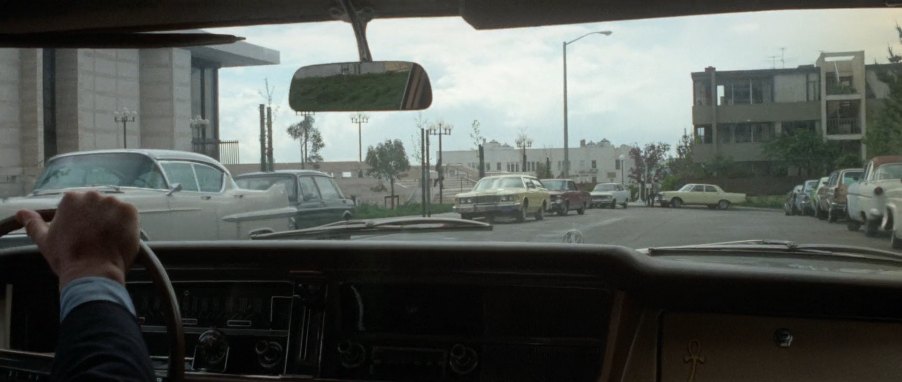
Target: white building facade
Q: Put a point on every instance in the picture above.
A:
(54, 101)
(590, 162)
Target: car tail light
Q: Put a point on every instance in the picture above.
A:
(878, 191)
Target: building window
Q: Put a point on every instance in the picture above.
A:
(742, 133)
(499, 167)
(793, 127)
(618, 163)
(703, 134)
(582, 164)
(762, 132)
(725, 133)
(594, 164)
(559, 165)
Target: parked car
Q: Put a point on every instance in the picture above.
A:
(804, 201)
(832, 199)
(893, 215)
(504, 195)
(314, 195)
(816, 197)
(609, 195)
(867, 197)
(564, 195)
(790, 205)
(179, 195)
(700, 194)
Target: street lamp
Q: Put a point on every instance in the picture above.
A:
(566, 137)
(199, 134)
(622, 157)
(524, 143)
(359, 119)
(440, 129)
(124, 116)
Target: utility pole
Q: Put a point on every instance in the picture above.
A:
(523, 142)
(428, 179)
(262, 137)
(360, 119)
(440, 129)
(481, 160)
(269, 150)
(423, 173)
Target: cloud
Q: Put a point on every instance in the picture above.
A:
(633, 86)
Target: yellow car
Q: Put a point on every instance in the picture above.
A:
(700, 194)
(503, 195)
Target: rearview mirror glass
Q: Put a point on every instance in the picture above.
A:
(360, 86)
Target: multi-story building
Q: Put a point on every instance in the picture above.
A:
(591, 162)
(54, 101)
(735, 112)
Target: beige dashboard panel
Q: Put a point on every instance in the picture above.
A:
(712, 347)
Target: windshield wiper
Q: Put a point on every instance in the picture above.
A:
(346, 229)
(782, 246)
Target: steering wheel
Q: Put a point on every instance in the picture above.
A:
(176, 369)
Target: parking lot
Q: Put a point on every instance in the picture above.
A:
(640, 227)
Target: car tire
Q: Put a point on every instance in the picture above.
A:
(872, 228)
(831, 216)
(895, 242)
(524, 211)
(564, 210)
(490, 219)
(852, 225)
(723, 204)
(625, 202)
(820, 214)
(540, 214)
(582, 211)
(676, 202)
(613, 204)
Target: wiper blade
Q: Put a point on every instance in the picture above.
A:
(346, 229)
(784, 246)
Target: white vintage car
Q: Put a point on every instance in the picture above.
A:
(179, 195)
(700, 194)
(610, 195)
(867, 199)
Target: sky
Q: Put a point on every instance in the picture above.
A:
(632, 87)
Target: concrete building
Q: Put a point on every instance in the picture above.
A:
(54, 101)
(735, 112)
(591, 162)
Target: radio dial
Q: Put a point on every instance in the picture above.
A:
(351, 354)
(463, 359)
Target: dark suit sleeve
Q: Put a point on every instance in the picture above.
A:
(101, 341)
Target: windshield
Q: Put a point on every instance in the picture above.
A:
(555, 185)
(498, 183)
(265, 182)
(889, 171)
(122, 170)
(733, 110)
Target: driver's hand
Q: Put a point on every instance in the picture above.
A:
(90, 235)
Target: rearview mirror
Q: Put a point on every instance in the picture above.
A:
(360, 86)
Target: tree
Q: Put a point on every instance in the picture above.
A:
(884, 135)
(648, 164)
(805, 150)
(542, 171)
(386, 161)
(475, 135)
(683, 165)
(310, 138)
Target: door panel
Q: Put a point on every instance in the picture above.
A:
(332, 199)
(312, 209)
(193, 213)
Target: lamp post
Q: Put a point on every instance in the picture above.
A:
(359, 119)
(124, 116)
(199, 134)
(566, 137)
(440, 129)
(621, 169)
(524, 143)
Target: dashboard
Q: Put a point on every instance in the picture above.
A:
(333, 311)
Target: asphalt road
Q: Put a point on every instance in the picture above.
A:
(642, 227)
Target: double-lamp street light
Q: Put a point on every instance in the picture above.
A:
(566, 136)
(440, 129)
(124, 116)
